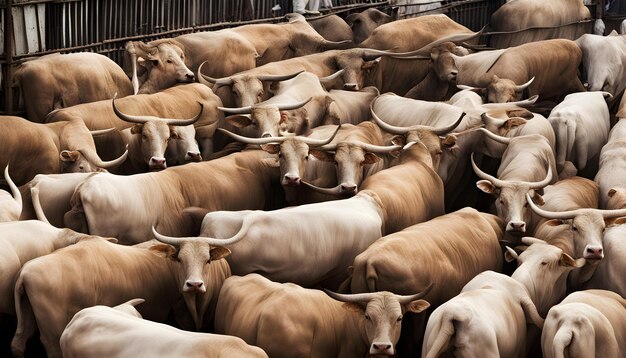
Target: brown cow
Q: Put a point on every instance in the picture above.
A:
(364, 23)
(332, 28)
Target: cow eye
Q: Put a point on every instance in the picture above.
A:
(544, 263)
(336, 163)
(603, 229)
(399, 318)
(367, 317)
(280, 155)
(574, 228)
(169, 61)
(501, 202)
(306, 158)
(144, 137)
(155, 62)
(174, 136)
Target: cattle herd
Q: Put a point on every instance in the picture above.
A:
(388, 188)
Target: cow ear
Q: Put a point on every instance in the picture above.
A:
(416, 306)
(163, 250)
(322, 155)
(219, 252)
(434, 54)
(239, 121)
(568, 261)
(368, 65)
(283, 117)
(371, 158)
(538, 199)
(510, 255)
(354, 307)
(111, 239)
(554, 222)
(513, 122)
(69, 155)
(271, 162)
(398, 140)
(611, 193)
(486, 186)
(272, 148)
(137, 128)
(619, 221)
(522, 113)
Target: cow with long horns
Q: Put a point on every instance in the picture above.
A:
(309, 322)
(527, 166)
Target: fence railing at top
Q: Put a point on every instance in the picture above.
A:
(38, 27)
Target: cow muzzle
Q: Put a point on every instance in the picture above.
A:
(516, 226)
(194, 286)
(189, 77)
(291, 180)
(193, 157)
(350, 87)
(348, 189)
(157, 163)
(593, 252)
(382, 348)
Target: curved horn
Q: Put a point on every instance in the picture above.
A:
(102, 131)
(34, 194)
(328, 147)
(378, 148)
(111, 163)
(334, 76)
(183, 122)
(144, 119)
(353, 298)
(544, 182)
(495, 137)
(124, 117)
(174, 241)
(385, 126)
(404, 299)
(335, 45)
(564, 215)
(482, 175)
(328, 191)
(177, 241)
(529, 240)
(210, 81)
(278, 77)
(520, 88)
(288, 107)
(609, 214)
(449, 128)
(524, 103)
(312, 142)
(455, 38)
(465, 87)
(248, 140)
(17, 196)
(241, 110)
(487, 118)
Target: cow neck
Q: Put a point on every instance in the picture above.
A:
(353, 322)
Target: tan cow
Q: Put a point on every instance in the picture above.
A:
(608, 273)
(527, 166)
(364, 23)
(120, 331)
(613, 165)
(490, 316)
(34, 148)
(126, 207)
(102, 273)
(287, 320)
(58, 81)
(10, 204)
(586, 324)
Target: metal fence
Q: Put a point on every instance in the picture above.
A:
(38, 27)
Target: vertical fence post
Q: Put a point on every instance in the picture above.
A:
(8, 49)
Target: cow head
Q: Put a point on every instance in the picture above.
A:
(356, 65)
(264, 118)
(156, 134)
(293, 153)
(364, 23)
(616, 198)
(247, 89)
(164, 61)
(80, 155)
(429, 136)
(511, 205)
(182, 146)
(500, 90)
(542, 269)
(587, 227)
(444, 64)
(383, 313)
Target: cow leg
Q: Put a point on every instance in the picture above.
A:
(26, 323)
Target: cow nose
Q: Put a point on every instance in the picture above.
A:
(190, 76)
(518, 226)
(348, 188)
(193, 157)
(266, 135)
(195, 286)
(292, 180)
(350, 87)
(157, 163)
(593, 252)
(378, 348)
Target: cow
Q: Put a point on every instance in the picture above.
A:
(527, 166)
(126, 207)
(150, 138)
(35, 148)
(177, 102)
(332, 28)
(309, 322)
(101, 331)
(607, 274)
(58, 81)
(364, 23)
(581, 124)
(417, 35)
(10, 204)
(252, 86)
(613, 166)
(586, 324)
(546, 68)
(21, 242)
(111, 274)
(558, 19)
(490, 316)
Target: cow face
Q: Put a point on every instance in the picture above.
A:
(502, 91)
(587, 232)
(511, 205)
(263, 120)
(247, 90)
(292, 158)
(364, 23)
(165, 67)
(431, 141)
(72, 161)
(616, 198)
(444, 64)
(182, 146)
(356, 68)
(153, 138)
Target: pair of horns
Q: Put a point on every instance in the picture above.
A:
(267, 140)
(145, 119)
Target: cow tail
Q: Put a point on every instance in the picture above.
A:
(562, 340)
(444, 335)
(26, 323)
(562, 143)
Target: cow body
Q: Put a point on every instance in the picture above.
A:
(603, 61)
(332, 28)
(612, 169)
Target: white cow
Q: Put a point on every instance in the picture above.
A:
(612, 171)
(586, 324)
(120, 331)
(609, 273)
(604, 60)
(581, 124)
